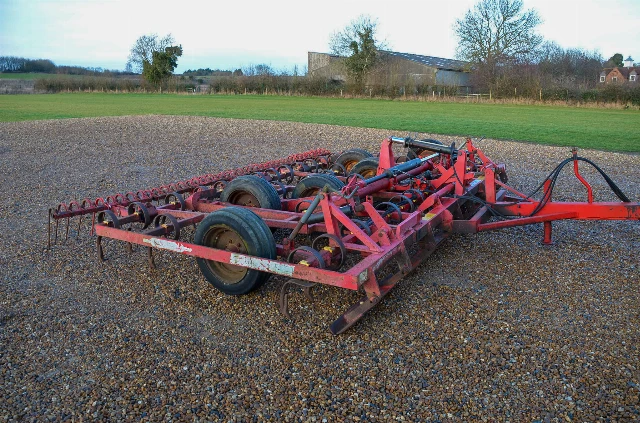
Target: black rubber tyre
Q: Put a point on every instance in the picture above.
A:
(367, 167)
(416, 152)
(251, 191)
(310, 185)
(349, 158)
(239, 230)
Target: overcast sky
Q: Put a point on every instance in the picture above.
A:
(232, 34)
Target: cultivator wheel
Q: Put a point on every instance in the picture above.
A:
(367, 168)
(139, 211)
(175, 200)
(310, 185)
(349, 158)
(235, 230)
(169, 223)
(334, 246)
(251, 191)
(390, 212)
(306, 256)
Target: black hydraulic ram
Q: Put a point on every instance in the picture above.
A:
(431, 145)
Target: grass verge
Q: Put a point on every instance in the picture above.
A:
(601, 129)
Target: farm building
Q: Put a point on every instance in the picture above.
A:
(627, 73)
(397, 69)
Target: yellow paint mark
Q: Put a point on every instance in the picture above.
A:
(429, 216)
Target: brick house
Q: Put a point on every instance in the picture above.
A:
(628, 73)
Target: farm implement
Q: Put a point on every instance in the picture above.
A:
(351, 220)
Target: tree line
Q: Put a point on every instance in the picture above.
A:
(12, 64)
(212, 72)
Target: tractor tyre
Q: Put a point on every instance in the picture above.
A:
(238, 230)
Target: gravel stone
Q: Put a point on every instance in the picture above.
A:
(491, 327)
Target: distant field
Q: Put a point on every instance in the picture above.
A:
(602, 129)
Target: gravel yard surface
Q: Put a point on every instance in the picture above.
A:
(492, 327)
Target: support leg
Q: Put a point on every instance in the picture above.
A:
(547, 233)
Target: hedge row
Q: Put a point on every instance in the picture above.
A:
(291, 85)
(89, 83)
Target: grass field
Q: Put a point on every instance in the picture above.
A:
(602, 129)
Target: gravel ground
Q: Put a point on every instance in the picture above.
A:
(492, 327)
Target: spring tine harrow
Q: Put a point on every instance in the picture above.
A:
(351, 220)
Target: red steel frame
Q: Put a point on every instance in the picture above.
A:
(406, 235)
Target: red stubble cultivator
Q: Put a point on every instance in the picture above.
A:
(353, 221)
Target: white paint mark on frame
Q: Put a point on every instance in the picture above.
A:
(262, 264)
(165, 244)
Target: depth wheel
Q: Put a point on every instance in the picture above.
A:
(251, 191)
(349, 158)
(240, 231)
(310, 185)
(368, 168)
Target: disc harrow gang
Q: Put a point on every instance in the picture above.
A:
(350, 220)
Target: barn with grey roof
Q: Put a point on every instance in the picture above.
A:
(398, 69)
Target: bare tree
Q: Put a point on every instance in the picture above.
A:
(495, 33)
(12, 64)
(261, 69)
(142, 50)
(359, 44)
(572, 67)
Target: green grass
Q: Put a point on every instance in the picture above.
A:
(602, 129)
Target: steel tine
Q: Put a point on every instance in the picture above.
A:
(66, 236)
(49, 232)
(99, 248)
(93, 224)
(129, 246)
(79, 223)
(283, 303)
(55, 240)
(152, 263)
